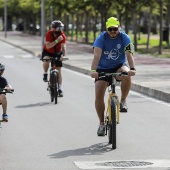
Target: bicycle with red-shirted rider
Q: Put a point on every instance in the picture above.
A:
(53, 82)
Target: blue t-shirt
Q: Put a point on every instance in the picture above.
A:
(113, 50)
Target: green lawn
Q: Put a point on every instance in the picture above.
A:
(141, 47)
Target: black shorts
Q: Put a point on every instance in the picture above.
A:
(57, 62)
(112, 70)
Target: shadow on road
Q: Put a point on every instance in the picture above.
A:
(34, 105)
(96, 149)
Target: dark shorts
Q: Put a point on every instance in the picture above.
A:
(57, 62)
(112, 70)
(0, 94)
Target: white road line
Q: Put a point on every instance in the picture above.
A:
(122, 164)
(27, 56)
(22, 56)
(150, 98)
(8, 56)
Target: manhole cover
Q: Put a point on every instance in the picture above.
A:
(124, 164)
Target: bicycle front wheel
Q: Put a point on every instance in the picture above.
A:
(51, 90)
(55, 86)
(112, 134)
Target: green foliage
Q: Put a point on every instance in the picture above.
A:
(73, 11)
(30, 6)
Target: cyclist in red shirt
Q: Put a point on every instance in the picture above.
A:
(55, 43)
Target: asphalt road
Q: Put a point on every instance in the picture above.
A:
(44, 136)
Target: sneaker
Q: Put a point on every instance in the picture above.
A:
(60, 93)
(5, 118)
(101, 130)
(45, 77)
(123, 107)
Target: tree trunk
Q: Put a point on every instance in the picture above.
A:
(139, 25)
(168, 21)
(86, 28)
(94, 27)
(72, 29)
(149, 27)
(77, 25)
(161, 19)
(135, 29)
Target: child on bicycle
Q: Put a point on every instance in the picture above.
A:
(3, 99)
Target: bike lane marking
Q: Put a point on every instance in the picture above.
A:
(22, 56)
(27, 56)
(8, 56)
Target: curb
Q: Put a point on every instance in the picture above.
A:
(74, 68)
(157, 94)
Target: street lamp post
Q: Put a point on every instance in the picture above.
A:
(5, 18)
(51, 13)
(42, 21)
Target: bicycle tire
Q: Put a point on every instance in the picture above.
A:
(113, 124)
(55, 86)
(110, 133)
(51, 90)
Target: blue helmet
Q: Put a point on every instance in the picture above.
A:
(2, 67)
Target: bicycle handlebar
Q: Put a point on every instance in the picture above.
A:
(56, 58)
(4, 91)
(103, 74)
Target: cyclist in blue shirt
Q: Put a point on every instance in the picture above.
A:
(3, 99)
(112, 49)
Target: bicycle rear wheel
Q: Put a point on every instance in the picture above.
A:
(55, 85)
(112, 128)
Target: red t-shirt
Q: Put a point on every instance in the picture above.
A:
(50, 38)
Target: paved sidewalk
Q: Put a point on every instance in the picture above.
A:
(153, 74)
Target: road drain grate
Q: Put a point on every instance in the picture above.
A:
(124, 164)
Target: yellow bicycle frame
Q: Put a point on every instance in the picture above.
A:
(108, 112)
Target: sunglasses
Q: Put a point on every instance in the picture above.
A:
(59, 28)
(112, 29)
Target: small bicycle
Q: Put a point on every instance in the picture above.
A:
(112, 116)
(53, 83)
(4, 91)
